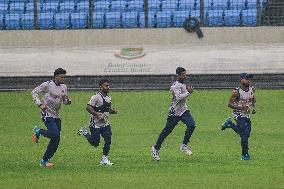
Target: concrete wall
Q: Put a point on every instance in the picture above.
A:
(24, 38)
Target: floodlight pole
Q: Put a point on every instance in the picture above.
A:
(35, 15)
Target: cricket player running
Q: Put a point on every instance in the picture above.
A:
(178, 111)
(55, 92)
(242, 101)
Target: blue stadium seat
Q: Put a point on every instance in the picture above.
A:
(113, 20)
(154, 5)
(3, 7)
(220, 4)
(118, 6)
(249, 17)
(45, 20)
(179, 17)
(164, 19)
(236, 4)
(98, 20)
(214, 18)
(129, 19)
(170, 5)
(136, 5)
(28, 21)
(2, 25)
(17, 8)
(79, 20)
(83, 6)
(13, 21)
(30, 7)
(185, 5)
(195, 14)
(208, 5)
(62, 20)
(151, 19)
(232, 17)
(101, 6)
(50, 7)
(67, 6)
(251, 4)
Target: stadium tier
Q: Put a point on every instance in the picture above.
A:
(79, 14)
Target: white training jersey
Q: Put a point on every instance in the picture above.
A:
(244, 99)
(53, 96)
(179, 100)
(100, 103)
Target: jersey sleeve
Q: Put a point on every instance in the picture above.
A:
(39, 89)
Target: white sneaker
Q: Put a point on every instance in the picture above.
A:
(83, 131)
(184, 148)
(105, 161)
(155, 153)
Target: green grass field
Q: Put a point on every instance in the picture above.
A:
(215, 163)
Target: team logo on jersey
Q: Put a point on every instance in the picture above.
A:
(130, 53)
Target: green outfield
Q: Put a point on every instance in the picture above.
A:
(141, 116)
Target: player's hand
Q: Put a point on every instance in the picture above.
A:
(43, 107)
(100, 115)
(253, 111)
(244, 108)
(114, 111)
(66, 99)
(189, 89)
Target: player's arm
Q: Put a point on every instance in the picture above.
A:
(233, 102)
(253, 105)
(178, 95)
(35, 94)
(92, 111)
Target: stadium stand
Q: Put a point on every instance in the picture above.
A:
(159, 13)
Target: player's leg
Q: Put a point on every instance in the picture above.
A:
(53, 132)
(245, 130)
(172, 121)
(106, 134)
(188, 120)
(94, 137)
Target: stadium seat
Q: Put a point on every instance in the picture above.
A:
(179, 17)
(195, 14)
(28, 21)
(169, 5)
(2, 25)
(151, 19)
(232, 17)
(214, 18)
(79, 20)
(13, 21)
(67, 7)
(50, 7)
(118, 6)
(17, 8)
(83, 6)
(62, 20)
(136, 5)
(129, 19)
(101, 6)
(164, 19)
(3, 7)
(98, 20)
(113, 20)
(250, 4)
(236, 4)
(220, 4)
(154, 5)
(30, 7)
(249, 17)
(208, 5)
(45, 20)
(185, 5)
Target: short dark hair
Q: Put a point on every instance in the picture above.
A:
(179, 70)
(102, 81)
(59, 71)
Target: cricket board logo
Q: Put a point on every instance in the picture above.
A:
(130, 53)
